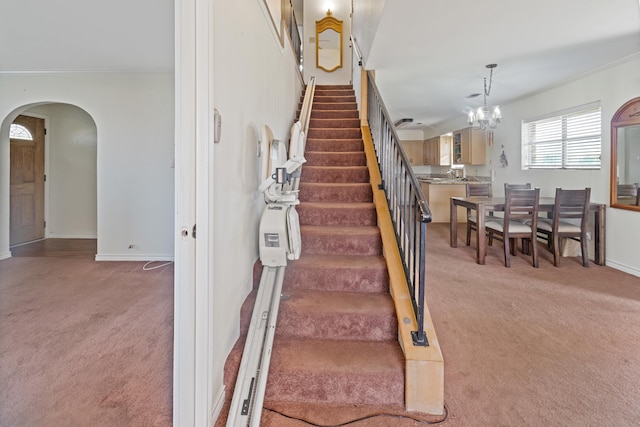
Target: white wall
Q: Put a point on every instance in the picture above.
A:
(315, 11)
(133, 113)
(612, 87)
(256, 83)
(71, 202)
(366, 17)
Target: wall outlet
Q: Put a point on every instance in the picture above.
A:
(131, 246)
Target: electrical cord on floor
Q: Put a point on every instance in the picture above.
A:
(367, 417)
(145, 268)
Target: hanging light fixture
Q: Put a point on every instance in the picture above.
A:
(485, 116)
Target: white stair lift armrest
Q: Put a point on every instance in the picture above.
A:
(296, 156)
(290, 166)
(296, 146)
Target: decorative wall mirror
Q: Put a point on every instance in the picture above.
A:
(329, 43)
(625, 157)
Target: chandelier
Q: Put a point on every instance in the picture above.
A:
(486, 117)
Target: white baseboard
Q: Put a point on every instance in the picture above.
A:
(622, 267)
(5, 255)
(218, 404)
(71, 236)
(134, 257)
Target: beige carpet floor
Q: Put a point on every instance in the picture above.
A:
(85, 343)
(90, 344)
(528, 346)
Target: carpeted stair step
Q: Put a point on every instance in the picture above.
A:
(341, 240)
(335, 158)
(349, 273)
(338, 192)
(350, 214)
(320, 315)
(331, 114)
(324, 95)
(334, 87)
(333, 90)
(333, 371)
(335, 174)
(334, 98)
(331, 133)
(339, 123)
(353, 144)
(334, 106)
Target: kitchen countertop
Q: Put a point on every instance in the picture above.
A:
(449, 181)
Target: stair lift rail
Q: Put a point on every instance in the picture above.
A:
(408, 206)
(279, 240)
(304, 119)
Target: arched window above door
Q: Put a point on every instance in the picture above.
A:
(19, 132)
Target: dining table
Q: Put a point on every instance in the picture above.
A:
(482, 205)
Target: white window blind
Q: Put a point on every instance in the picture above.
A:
(566, 140)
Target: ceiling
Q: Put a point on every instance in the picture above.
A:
(81, 35)
(429, 56)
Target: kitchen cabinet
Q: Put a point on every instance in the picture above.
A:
(414, 151)
(437, 151)
(470, 146)
(439, 197)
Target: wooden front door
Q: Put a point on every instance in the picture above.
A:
(27, 182)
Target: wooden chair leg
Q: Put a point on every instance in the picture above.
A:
(534, 249)
(468, 233)
(585, 251)
(507, 262)
(513, 244)
(556, 250)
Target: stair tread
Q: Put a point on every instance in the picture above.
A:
(337, 184)
(342, 229)
(340, 205)
(341, 153)
(333, 128)
(339, 261)
(321, 301)
(338, 356)
(336, 167)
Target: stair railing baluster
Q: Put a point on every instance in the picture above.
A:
(408, 206)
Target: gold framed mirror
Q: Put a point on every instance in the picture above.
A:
(625, 157)
(329, 43)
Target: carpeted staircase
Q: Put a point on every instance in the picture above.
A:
(336, 338)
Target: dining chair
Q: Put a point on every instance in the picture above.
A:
(476, 190)
(526, 186)
(571, 205)
(521, 206)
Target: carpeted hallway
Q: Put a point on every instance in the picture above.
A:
(528, 346)
(85, 343)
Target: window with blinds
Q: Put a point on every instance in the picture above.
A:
(565, 140)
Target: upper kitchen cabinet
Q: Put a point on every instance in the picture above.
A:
(437, 151)
(413, 150)
(470, 146)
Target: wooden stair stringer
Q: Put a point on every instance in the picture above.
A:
(424, 366)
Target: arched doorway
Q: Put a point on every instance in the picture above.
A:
(66, 175)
